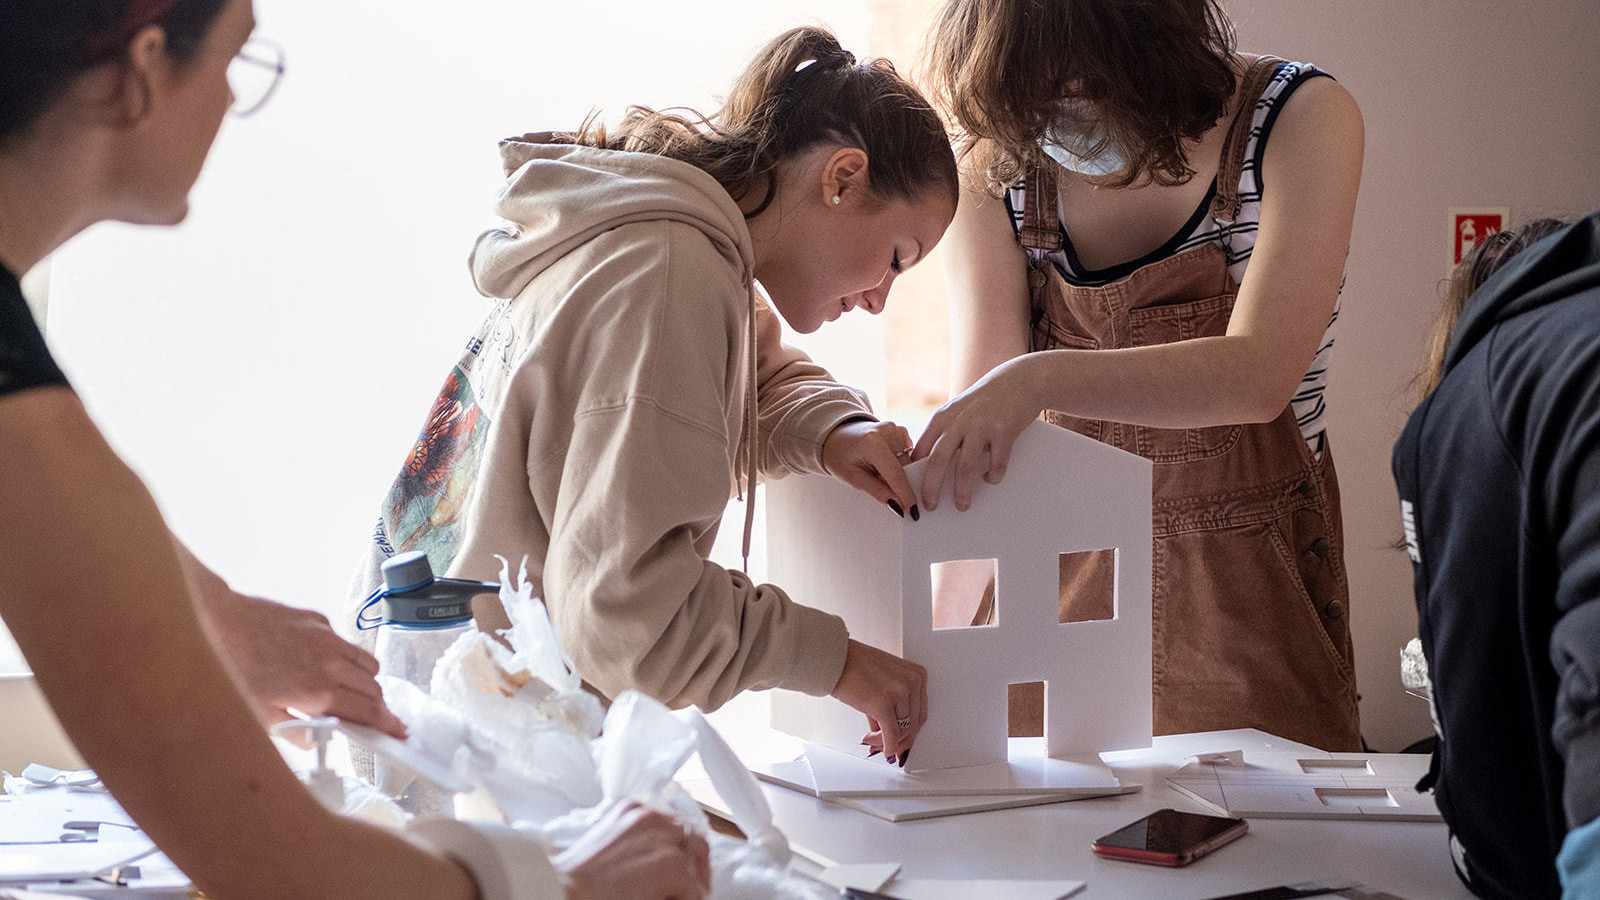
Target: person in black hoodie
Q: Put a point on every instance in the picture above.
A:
(1499, 480)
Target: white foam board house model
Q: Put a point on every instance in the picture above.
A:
(834, 548)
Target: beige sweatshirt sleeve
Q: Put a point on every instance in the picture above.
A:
(638, 604)
(800, 402)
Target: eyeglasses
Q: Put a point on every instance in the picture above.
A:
(253, 75)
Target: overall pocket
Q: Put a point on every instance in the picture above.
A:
(1242, 641)
(1056, 327)
(1164, 324)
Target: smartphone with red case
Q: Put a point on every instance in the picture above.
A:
(1168, 837)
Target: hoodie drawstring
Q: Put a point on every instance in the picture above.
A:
(752, 425)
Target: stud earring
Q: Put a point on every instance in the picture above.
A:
(835, 199)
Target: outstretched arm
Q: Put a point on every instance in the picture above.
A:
(284, 657)
(1311, 172)
(95, 595)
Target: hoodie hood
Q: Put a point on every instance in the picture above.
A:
(557, 196)
(1557, 267)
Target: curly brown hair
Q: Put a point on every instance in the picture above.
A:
(802, 90)
(1158, 74)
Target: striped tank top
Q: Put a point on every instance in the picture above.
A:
(1237, 239)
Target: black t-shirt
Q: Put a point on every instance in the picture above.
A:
(25, 361)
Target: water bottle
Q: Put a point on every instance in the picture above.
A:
(422, 615)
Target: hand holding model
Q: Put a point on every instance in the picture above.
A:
(870, 457)
(971, 436)
(892, 692)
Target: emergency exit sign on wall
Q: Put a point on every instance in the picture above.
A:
(1470, 225)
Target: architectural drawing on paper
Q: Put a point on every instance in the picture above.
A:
(836, 549)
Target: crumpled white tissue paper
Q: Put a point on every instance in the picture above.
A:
(516, 721)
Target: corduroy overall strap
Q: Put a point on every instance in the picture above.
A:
(1041, 221)
(1226, 206)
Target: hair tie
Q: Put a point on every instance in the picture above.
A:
(795, 87)
(840, 60)
(139, 14)
(802, 72)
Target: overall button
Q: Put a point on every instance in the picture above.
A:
(1334, 609)
(1320, 547)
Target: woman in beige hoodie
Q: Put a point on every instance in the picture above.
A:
(628, 376)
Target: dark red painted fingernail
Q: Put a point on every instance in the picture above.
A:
(895, 508)
(905, 755)
(890, 759)
(874, 753)
(915, 515)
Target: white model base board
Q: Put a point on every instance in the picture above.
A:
(1290, 785)
(897, 809)
(835, 774)
(796, 776)
(911, 809)
(874, 787)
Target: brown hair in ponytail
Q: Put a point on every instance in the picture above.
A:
(802, 90)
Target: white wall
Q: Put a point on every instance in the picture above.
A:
(1467, 103)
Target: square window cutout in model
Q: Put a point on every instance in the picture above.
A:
(1072, 513)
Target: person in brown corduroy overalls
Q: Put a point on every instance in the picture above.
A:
(1149, 250)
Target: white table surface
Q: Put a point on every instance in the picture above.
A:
(1408, 859)
(41, 816)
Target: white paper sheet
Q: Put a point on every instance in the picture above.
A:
(865, 876)
(981, 889)
(1316, 785)
(31, 863)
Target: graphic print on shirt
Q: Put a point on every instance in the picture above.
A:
(1408, 519)
(426, 500)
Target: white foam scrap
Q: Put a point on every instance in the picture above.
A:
(1414, 666)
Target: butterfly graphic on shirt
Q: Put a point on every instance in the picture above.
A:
(420, 499)
(449, 423)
